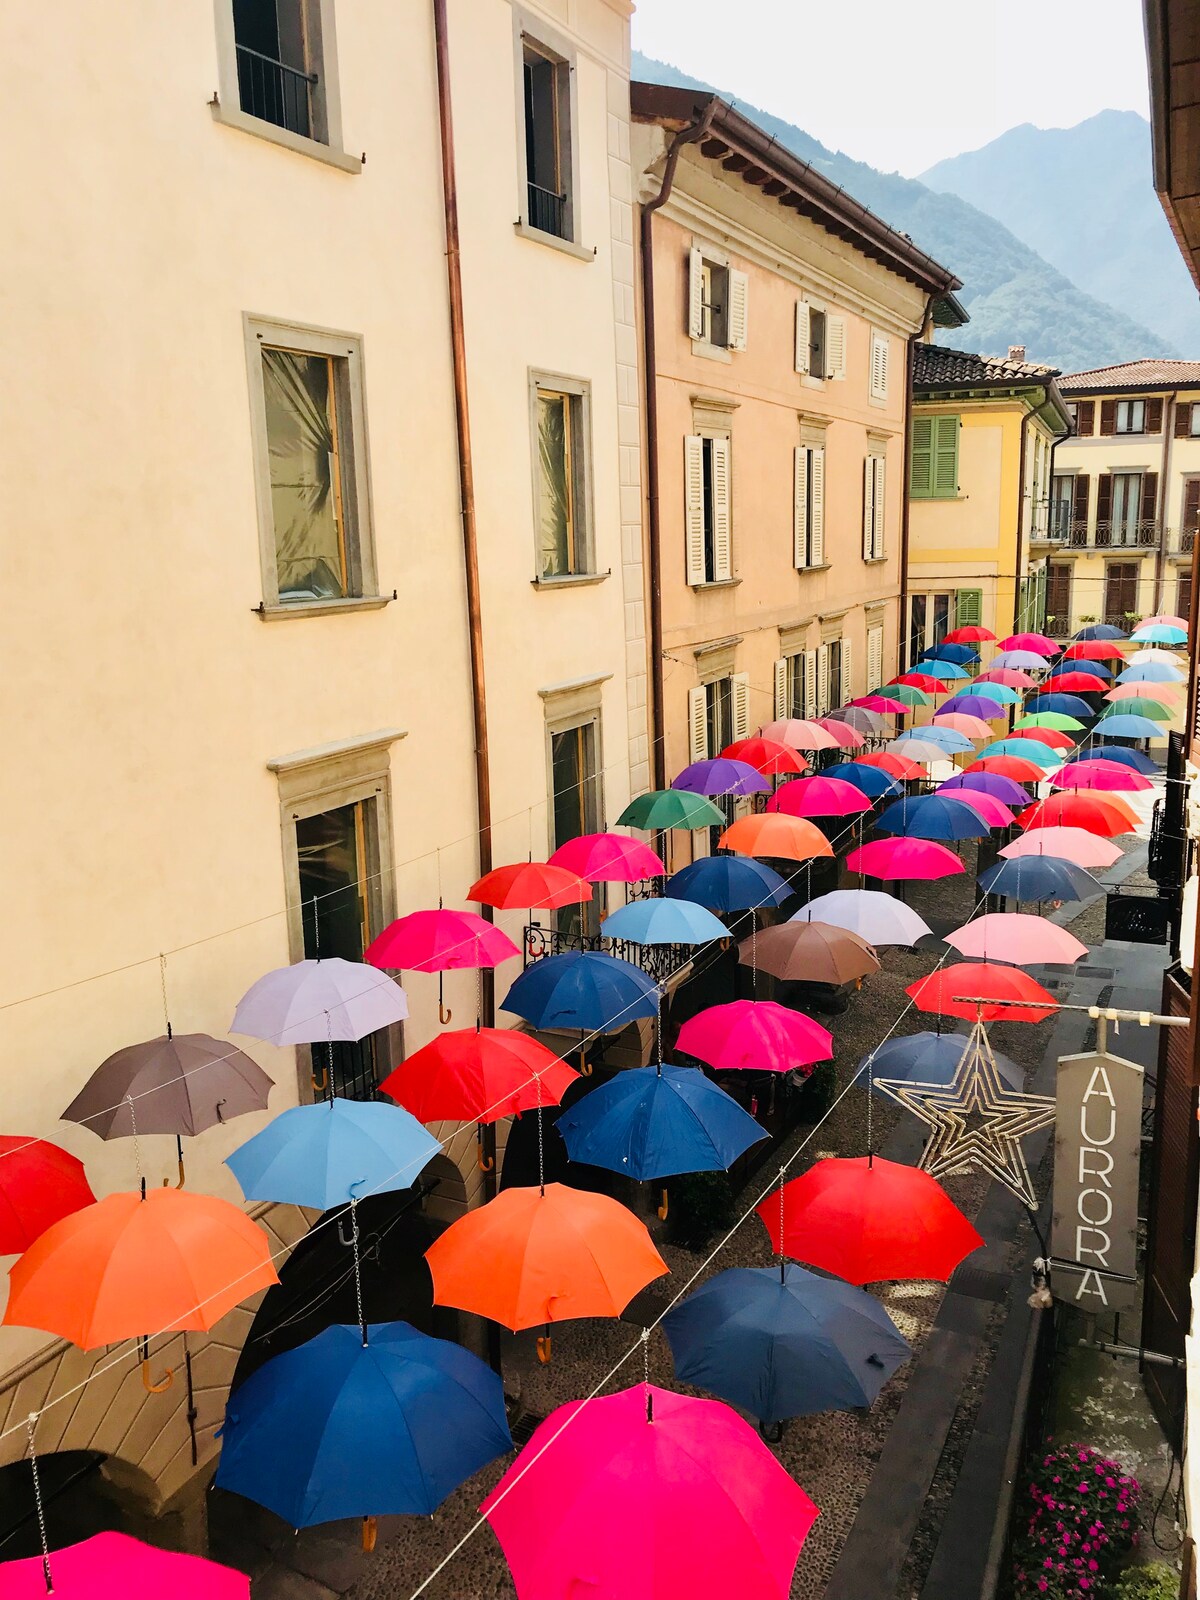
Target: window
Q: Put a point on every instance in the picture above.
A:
(1120, 592)
(718, 714)
(1192, 413)
(800, 693)
(278, 46)
(562, 429)
(808, 520)
(968, 608)
(717, 302)
(707, 509)
(1126, 506)
(1131, 416)
(1183, 594)
(310, 447)
(1058, 600)
(820, 342)
(880, 347)
(575, 806)
(941, 619)
(874, 657)
(916, 627)
(1083, 418)
(1190, 519)
(1069, 497)
(546, 84)
(836, 661)
(934, 472)
(874, 491)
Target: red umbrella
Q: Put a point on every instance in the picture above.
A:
(1098, 813)
(768, 755)
(608, 858)
(439, 941)
(1054, 737)
(924, 681)
(978, 990)
(532, 884)
(971, 635)
(868, 1220)
(1014, 767)
(39, 1183)
(895, 766)
(1094, 650)
(1074, 683)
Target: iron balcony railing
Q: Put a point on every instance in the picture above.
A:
(657, 961)
(548, 211)
(1187, 541)
(1059, 627)
(1126, 535)
(274, 91)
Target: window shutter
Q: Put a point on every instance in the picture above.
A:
(879, 499)
(968, 608)
(1104, 497)
(810, 683)
(874, 659)
(868, 520)
(835, 347)
(879, 366)
(822, 680)
(1183, 423)
(1082, 493)
(739, 288)
(740, 695)
(722, 554)
(1149, 496)
(1154, 416)
(693, 488)
(817, 510)
(697, 725)
(1108, 416)
(802, 335)
(1191, 507)
(781, 687)
(945, 456)
(695, 294)
(921, 465)
(800, 508)
(1085, 419)
(847, 671)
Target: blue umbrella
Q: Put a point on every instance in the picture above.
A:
(1100, 630)
(1121, 727)
(1039, 878)
(1158, 633)
(960, 654)
(784, 1343)
(1003, 789)
(655, 921)
(342, 1428)
(332, 1152)
(932, 1058)
(1004, 693)
(1027, 749)
(1022, 660)
(874, 782)
(729, 883)
(951, 741)
(582, 989)
(653, 1122)
(1070, 705)
(1138, 760)
(1091, 669)
(948, 671)
(976, 705)
(931, 816)
(1151, 672)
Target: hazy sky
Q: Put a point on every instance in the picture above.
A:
(901, 85)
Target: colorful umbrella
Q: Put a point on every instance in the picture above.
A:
(960, 654)
(755, 1035)
(1086, 676)
(1162, 693)
(1099, 630)
(582, 989)
(770, 756)
(1093, 650)
(819, 797)
(931, 816)
(663, 921)
(719, 776)
(969, 635)
(1103, 814)
(1076, 845)
(1097, 773)
(671, 808)
(1063, 704)
(1135, 760)
(478, 1075)
(532, 885)
(540, 1255)
(930, 744)
(845, 736)
(40, 1183)
(728, 883)
(983, 992)
(1152, 672)
(1039, 643)
(1170, 620)
(441, 941)
(933, 1058)
(782, 837)
(904, 860)
(860, 717)
(311, 1002)
(868, 1220)
(880, 705)
(1159, 633)
(607, 858)
(344, 1426)
(874, 916)
(922, 680)
(870, 779)
(994, 812)
(800, 734)
(946, 671)
(1150, 653)
(658, 1121)
(1024, 660)
(1006, 678)
(1057, 720)
(1050, 737)
(905, 693)
(809, 952)
(1031, 751)
(983, 706)
(1039, 877)
(1015, 936)
(962, 722)
(783, 1344)
(1135, 706)
(989, 783)
(1017, 768)
(112, 1566)
(895, 766)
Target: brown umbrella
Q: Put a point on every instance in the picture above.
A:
(809, 952)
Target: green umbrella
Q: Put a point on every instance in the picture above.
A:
(1050, 719)
(907, 693)
(671, 808)
(1136, 706)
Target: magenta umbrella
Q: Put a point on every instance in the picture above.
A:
(880, 705)
(994, 812)
(847, 736)
(112, 1566)
(1108, 777)
(1037, 642)
(439, 941)
(1078, 845)
(608, 858)
(899, 859)
(756, 1035)
(650, 1494)
(819, 797)
(1017, 937)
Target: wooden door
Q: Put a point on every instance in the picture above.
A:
(1058, 599)
(1120, 591)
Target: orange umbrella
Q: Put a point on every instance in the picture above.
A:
(530, 884)
(768, 755)
(774, 833)
(1104, 814)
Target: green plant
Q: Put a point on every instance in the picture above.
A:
(1080, 1518)
(1088, 619)
(1158, 1581)
(700, 1205)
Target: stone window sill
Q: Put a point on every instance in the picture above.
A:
(711, 352)
(235, 117)
(716, 583)
(568, 247)
(322, 608)
(571, 580)
(820, 566)
(874, 561)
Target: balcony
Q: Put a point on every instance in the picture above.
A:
(1126, 535)
(275, 92)
(547, 211)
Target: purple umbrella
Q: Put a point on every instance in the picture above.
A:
(721, 776)
(1001, 788)
(314, 1001)
(975, 705)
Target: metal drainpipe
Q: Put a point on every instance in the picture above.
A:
(1054, 444)
(905, 475)
(1017, 578)
(1160, 548)
(688, 135)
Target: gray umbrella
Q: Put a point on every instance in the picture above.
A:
(314, 1001)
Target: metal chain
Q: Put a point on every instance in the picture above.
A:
(358, 1294)
(31, 1424)
(646, 1354)
(541, 1136)
(137, 1149)
(162, 981)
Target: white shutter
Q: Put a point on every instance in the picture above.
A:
(879, 366)
(817, 512)
(803, 335)
(810, 684)
(722, 553)
(693, 514)
(847, 671)
(822, 680)
(781, 688)
(739, 290)
(868, 518)
(874, 658)
(800, 508)
(740, 686)
(695, 295)
(697, 725)
(879, 466)
(835, 346)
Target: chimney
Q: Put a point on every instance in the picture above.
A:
(1016, 352)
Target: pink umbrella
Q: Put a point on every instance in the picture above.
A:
(994, 812)
(963, 722)
(904, 859)
(1148, 691)
(439, 941)
(819, 797)
(1099, 774)
(1170, 622)
(112, 1566)
(849, 738)
(757, 1035)
(1011, 677)
(880, 705)
(1015, 936)
(1077, 845)
(800, 734)
(650, 1494)
(1038, 643)
(608, 858)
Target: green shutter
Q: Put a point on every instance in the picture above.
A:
(968, 608)
(921, 473)
(945, 457)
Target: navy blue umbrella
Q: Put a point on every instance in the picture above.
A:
(784, 1343)
(932, 1058)
(960, 654)
(729, 883)
(873, 781)
(1092, 669)
(1137, 759)
(1100, 630)
(932, 816)
(652, 1122)
(582, 989)
(1070, 705)
(1039, 878)
(342, 1428)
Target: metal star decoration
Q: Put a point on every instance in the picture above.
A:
(975, 1121)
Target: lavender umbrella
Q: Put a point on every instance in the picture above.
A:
(314, 1001)
(721, 776)
(1023, 659)
(862, 719)
(975, 705)
(996, 784)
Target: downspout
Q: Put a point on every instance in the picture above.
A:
(1160, 548)
(688, 135)
(1017, 574)
(1054, 444)
(905, 479)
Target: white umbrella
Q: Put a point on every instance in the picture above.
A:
(312, 1002)
(876, 917)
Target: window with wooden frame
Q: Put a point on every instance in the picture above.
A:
(1187, 421)
(1070, 494)
(546, 91)
(933, 471)
(874, 657)
(707, 509)
(880, 362)
(1131, 416)
(820, 342)
(968, 608)
(808, 506)
(1183, 593)
(874, 501)
(794, 693)
(1083, 418)
(561, 422)
(718, 714)
(717, 302)
(1125, 508)
(1189, 521)
(575, 804)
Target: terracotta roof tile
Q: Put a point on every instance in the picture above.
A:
(934, 366)
(1134, 375)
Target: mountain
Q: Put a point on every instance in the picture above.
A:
(1081, 198)
(1013, 294)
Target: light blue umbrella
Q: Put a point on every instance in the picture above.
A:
(1024, 660)
(1159, 633)
(948, 671)
(1121, 727)
(1026, 749)
(1151, 672)
(949, 738)
(670, 921)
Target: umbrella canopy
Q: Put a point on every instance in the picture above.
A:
(963, 722)
(973, 634)
(39, 1184)
(876, 917)
(1017, 937)
(923, 680)
(1032, 751)
(342, 1428)
(809, 952)
(775, 834)
(931, 744)
(1076, 845)
(819, 797)
(535, 1256)
(873, 781)
(769, 756)
(331, 1152)
(783, 1344)
(604, 1501)
(1159, 633)
(931, 816)
(1095, 649)
(880, 705)
(905, 693)
(607, 858)
(654, 1122)
(946, 671)
(1163, 694)
(868, 1220)
(1127, 727)
(755, 1035)
(1150, 653)
(112, 1566)
(1050, 737)
(960, 654)
(1039, 643)
(1039, 877)
(1097, 773)
(130, 1265)
(983, 992)
(1057, 704)
(845, 736)
(800, 733)
(1152, 672)
(582, 989)
(895, 766)
(860, 717)
(994, 812)
(1006, 678)
(1023, 660)
(530, 885)
(904, 860)
(932, 1058)
(314, 1001)
(1103, 814)
(178, 1083)
(478, 1075)
(728, 883)
(1058, 720)
(1135, 706)
(663, 921)
(991, 783)
(1165, 617)
(1018, 768)
(439, 941)
(1099, 630)
(720, 776)
(983, 706)
(671, 808)
(1079, 677)
(1135, 760)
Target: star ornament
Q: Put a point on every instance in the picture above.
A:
(975, 1122)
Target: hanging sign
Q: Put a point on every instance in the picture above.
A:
(1097, 1153)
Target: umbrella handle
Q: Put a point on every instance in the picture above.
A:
(543, 1348)
(444, 1014)
(164, 1383)
(664, 1206)
(370, 1532)
(321, 1084)
(484, 1163)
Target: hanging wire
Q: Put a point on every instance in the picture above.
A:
(31, 1424)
